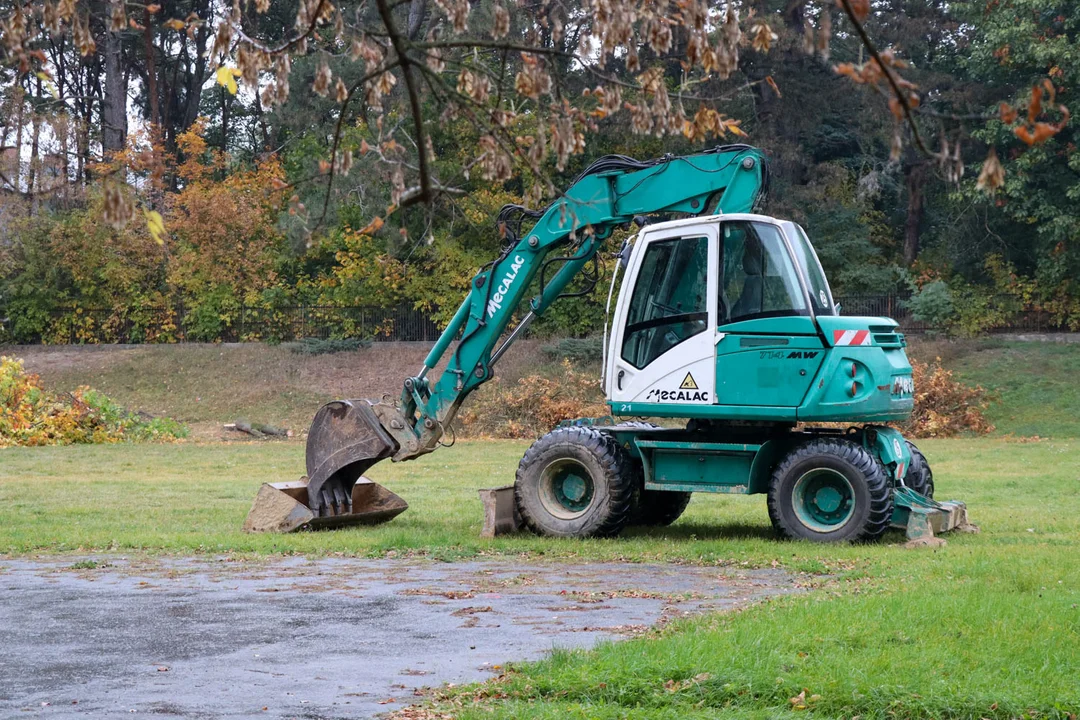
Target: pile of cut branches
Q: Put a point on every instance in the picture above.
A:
(944, 406)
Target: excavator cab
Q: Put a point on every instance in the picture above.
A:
(724, 314)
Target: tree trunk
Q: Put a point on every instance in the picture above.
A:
(151, 69)
(915, 181)
(35, 152)
(65, 158)
(114, 104)
(16, 167)
(195, 80)
(224, 120)
(263, 130)
(86, 107)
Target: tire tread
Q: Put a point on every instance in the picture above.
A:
(919, 477)
(653, 508)
(880, 490)
(611, 458)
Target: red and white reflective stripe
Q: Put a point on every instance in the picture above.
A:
(851, 337)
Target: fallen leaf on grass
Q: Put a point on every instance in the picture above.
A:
(676, 686)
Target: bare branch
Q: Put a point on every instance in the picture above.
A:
(288, 44)
(401, 46)
(887, 71)
(412, 195)
(385, 67)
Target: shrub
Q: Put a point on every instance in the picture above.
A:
(584, 350)
(319, 346)
(533, 406)
(944, 406)
(932, 305)
(30, 415)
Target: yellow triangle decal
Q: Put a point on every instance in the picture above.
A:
(688, 383)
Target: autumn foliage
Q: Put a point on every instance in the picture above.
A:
(31, 415)
(534, 405)
(200, 231)
(944, 406)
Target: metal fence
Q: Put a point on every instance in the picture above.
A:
(276, 324)
(1014, 317)
(324, 321)
(294, 322)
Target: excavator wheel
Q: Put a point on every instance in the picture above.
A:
(575, 482)
(919, 476)
(660, 508)
(827, 490)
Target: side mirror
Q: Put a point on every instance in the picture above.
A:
(624, 254)
(836, 308)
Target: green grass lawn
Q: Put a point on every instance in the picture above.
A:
(1034, 385)
(985, 627)
(191, 497)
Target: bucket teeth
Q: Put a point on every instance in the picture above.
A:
(345, 439)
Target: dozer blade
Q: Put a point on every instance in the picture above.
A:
(283, 507)
(923, 518)
(345, 439)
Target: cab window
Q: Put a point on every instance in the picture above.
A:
(670, 302)
(820, 294)
(758, 277)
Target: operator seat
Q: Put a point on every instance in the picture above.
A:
(753, 261)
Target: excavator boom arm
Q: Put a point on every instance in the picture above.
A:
(610, 193)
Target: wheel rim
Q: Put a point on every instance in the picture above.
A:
(823, 499)
(566, 489)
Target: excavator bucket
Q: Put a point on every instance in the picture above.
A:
(345, 439)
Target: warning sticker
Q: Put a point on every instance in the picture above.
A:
(688, 383)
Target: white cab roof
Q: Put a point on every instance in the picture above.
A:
(708, 219)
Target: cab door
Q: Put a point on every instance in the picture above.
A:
(662, 350)
(770, 350)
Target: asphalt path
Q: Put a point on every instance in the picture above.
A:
(111, 636)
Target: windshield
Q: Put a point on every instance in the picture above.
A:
(815, 276)
(759, 278)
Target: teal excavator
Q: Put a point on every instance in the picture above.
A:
(724, 326)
